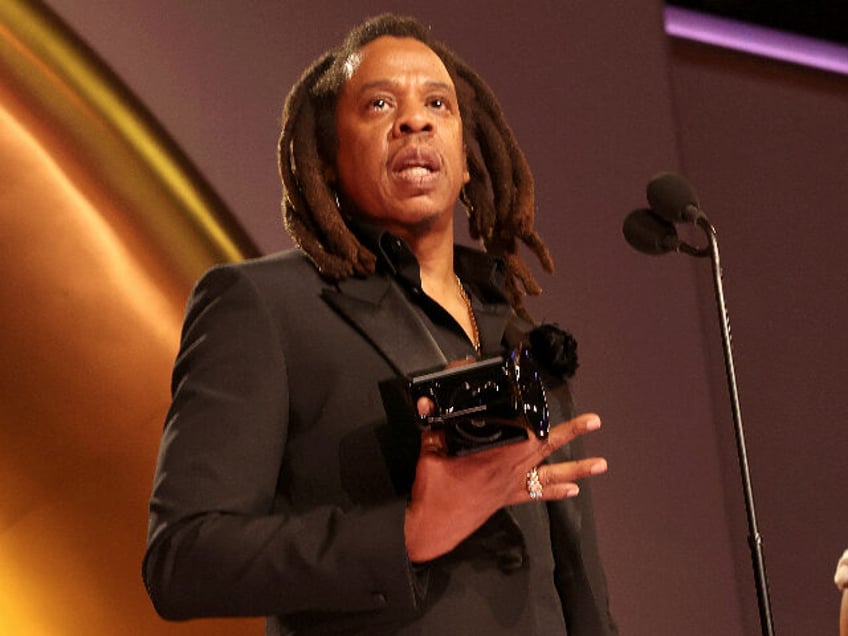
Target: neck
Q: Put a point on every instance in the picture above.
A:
(433, 247)
(439, 281)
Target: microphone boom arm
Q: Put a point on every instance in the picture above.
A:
(755, 541)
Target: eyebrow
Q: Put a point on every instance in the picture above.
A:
(388, 83)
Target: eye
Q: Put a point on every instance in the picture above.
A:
(438, 103)
(378, 103)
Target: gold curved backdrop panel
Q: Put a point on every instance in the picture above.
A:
(104, 226)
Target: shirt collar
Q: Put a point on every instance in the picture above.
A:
(483, 273)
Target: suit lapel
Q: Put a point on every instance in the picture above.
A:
(377, 308)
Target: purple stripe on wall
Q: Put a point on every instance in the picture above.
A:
(741, 36)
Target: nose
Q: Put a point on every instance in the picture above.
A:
(413, 118)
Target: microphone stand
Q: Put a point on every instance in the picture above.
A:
(755, 541)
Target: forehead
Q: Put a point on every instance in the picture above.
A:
(389, 59)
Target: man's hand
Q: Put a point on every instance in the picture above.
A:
(453, 496)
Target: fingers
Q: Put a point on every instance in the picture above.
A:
(557, 481)
(433, 442)
(425, 406)
(568, 472)
(563, 433)
(550, 482)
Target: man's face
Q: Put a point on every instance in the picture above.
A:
(400, 157)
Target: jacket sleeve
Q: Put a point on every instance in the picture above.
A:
(580, 578)
(215, 545)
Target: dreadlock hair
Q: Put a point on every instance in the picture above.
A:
(499, 197)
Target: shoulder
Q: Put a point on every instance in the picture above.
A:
(841, 576)
(286, 270)
(268, 282)
(291, 262)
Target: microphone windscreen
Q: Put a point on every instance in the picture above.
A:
(649, 233)
(671, 196)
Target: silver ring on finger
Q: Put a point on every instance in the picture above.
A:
(534, 484)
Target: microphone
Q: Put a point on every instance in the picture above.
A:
(652, 231)
(671, 196)
(649, 233)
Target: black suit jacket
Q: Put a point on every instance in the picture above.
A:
(279, 489)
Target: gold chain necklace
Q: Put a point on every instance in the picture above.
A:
(475, 333)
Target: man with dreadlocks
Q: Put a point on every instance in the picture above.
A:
(283, 489)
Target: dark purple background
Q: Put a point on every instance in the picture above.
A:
(600, 101)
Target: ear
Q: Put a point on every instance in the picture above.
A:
(466, 175)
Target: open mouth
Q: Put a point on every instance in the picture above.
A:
(413, 171)
(415, 163)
